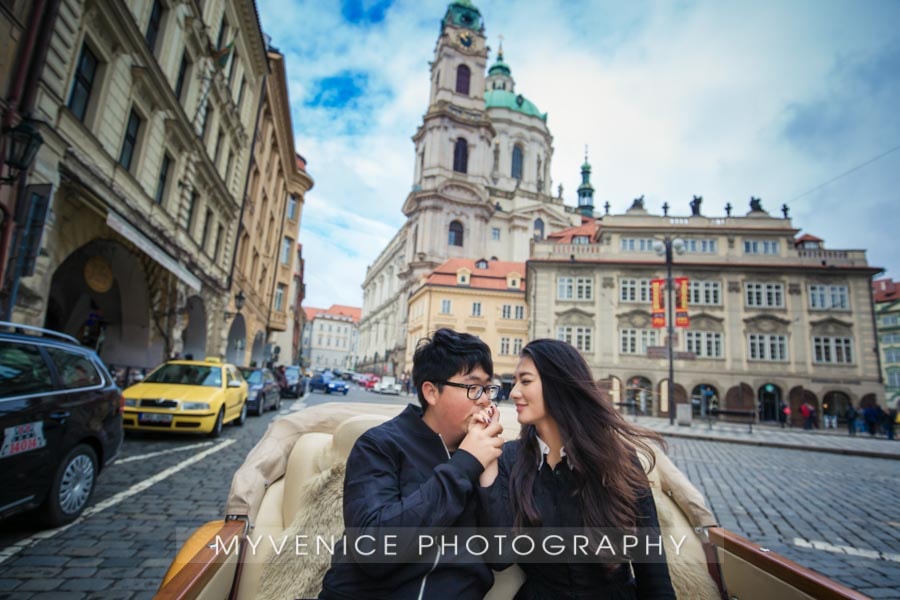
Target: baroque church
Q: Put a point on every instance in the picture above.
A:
(481, 187)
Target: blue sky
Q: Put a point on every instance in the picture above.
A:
(674, 98)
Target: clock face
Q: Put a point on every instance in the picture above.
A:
(98, 274)
(466, 39)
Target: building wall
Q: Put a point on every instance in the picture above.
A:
(176, 235)
(609, 265)
(887, 315)
(426, 315)
(333, 342)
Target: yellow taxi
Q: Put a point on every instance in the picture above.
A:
(187, 396)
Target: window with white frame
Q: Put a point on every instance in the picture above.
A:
(700, 246)
(705, 344)
(504, 345)
(495, 233)
(581, 239)
(520, 311)
(829, 297)
(831, 349)
(767, 347)
(445, 307)
(770, 247)
(506, 311)
(476, 309)
(890, 338)
(705, 293)
(279, 296)
(636, 341)
(580, 337)
(893, 378)
(517, 345)
(890, 320)
(565, 288)
(892, 355)
(764, 294)
(634, 290)
(637, 244)
(584, 288)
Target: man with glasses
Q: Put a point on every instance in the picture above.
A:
(419, 472)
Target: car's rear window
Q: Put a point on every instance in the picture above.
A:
(75, 370)
(22, 370)
(187, 375)
(252, 376)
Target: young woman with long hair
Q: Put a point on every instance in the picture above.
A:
(574, 466)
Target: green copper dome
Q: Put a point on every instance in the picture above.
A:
(499, 68)
(517, 102)
(462, 13)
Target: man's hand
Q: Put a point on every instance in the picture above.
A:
(483, 440)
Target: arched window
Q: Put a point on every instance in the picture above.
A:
(517, 162)
(456, 234)
(538, 229)
(461, 156)
(463, 74)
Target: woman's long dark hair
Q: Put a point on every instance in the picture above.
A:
(600, 445)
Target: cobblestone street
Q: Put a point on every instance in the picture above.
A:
(833, 513)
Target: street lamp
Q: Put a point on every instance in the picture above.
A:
(665, 247)
(239, 300)
(24, 142)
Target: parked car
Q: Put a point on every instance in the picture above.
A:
(369, 381)
(325, 382)
(263, 390)
(387, 385)
(296, 382)
(187, 396)
(61, 419)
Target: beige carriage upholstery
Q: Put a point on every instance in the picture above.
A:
(294, 471)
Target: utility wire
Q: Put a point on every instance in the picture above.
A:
(845, 173)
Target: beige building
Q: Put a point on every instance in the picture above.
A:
(267, 240)
(148, 110)
(481, 184)
(773, 318)
(482, 297)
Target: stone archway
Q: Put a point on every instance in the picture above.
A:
(99, 294)
(639, 395)
(235, 348)
(740, 397)
(194, 335)
(769, 400)
(258, 350)
(796, 397)
(704, 396)
(836, 403)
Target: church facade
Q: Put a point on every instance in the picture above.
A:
(481, 187)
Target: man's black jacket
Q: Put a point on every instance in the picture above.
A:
(401, 480)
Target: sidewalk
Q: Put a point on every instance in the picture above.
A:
(831, 441)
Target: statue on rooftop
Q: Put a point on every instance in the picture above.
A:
(755, 204)
(638, 202)
(695, 206)
(784, 210)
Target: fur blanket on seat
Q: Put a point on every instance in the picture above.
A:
(288, 576)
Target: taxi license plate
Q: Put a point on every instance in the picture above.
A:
(154, 418)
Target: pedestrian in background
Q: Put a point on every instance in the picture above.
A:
(785, 415)
(828, 416)
(850, 415)
(806, 413)
(890, 419)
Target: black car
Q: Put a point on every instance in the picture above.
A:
(61, 420)
(296, 383)
(264, 391)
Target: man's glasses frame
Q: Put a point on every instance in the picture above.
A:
(475, 390)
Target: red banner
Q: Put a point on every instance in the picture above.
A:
(681, 302)
(658, 303)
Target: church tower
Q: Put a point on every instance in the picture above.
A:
(449, 200)
(586, 190)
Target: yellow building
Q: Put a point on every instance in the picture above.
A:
(267, 238)
(483, 297)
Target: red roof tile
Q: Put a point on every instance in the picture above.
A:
(588, 227)
(491, 278)
(336, 310)
(885, 290)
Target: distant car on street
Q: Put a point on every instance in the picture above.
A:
(187, 396)
(263, 392)
(296, 382)
(387, 385)
(327, 383)
(61, 420)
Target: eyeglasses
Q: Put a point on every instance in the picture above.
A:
(473, 390)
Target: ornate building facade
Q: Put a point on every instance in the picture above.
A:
(773, 318)
(148, 111)
(887, 314)
(481, 187)
(264, 265)
(331, 337)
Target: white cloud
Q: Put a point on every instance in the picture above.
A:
(720, 99)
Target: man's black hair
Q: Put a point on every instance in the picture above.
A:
(445, 354)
